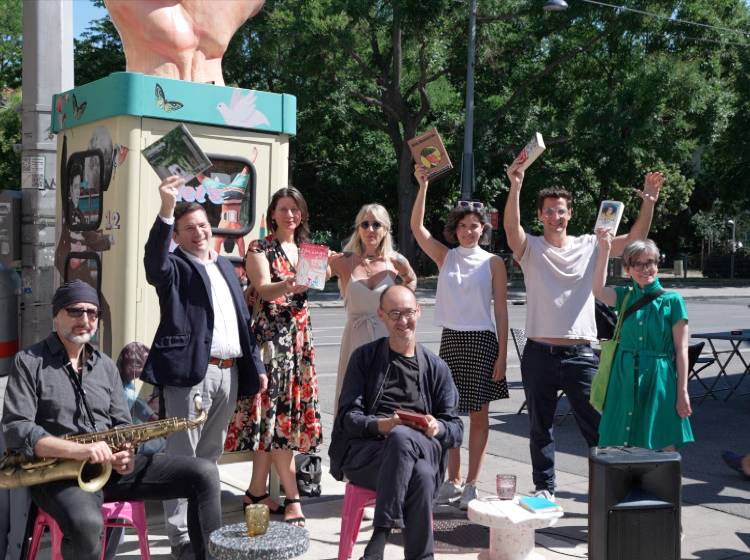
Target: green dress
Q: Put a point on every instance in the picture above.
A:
(639, 410)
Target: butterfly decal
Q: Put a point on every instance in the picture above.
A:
(78, 109)
(163, 104)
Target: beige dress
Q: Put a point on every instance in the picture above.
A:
(362, 322)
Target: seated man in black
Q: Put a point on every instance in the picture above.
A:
(402, 461)
(62, 386)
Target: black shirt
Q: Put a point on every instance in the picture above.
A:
(401, 386)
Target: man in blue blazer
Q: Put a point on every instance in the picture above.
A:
(203, 342)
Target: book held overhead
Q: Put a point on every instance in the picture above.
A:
(428, 150)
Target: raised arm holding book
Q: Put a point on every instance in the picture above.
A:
(471, 283)
(650, 194)
(560, 323)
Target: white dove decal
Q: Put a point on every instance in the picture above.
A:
(241, 111)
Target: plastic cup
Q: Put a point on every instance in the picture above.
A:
(506, 486)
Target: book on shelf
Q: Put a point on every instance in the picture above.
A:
(413, 417)
(429, 150)
(610, 214)
(311, 266)
(530, 152)
(177, 153)
(538, 504)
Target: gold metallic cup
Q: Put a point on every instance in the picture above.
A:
(256, 517)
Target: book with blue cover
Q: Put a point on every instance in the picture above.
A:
(537, 504)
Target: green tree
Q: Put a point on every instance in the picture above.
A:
(615, 94)
(10, 135)
(368, 76)
(11, 44)
(98, 52)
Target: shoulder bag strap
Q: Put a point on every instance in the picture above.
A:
(645, 300)
(616, 335)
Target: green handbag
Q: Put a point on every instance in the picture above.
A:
(600, 382)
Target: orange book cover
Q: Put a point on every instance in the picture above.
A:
(429, 150)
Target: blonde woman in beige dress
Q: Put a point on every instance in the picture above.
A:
(367, 266)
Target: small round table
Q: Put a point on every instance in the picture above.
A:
(511, 527)
(281, 541)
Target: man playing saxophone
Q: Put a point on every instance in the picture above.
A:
(63, 386)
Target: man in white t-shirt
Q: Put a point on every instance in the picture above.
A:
(560, 323)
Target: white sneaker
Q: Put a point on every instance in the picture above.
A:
(544, 494)
(369, 513)
(448, 493)
(469, 493)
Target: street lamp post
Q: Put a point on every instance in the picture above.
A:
(467, 162)
(734, 249)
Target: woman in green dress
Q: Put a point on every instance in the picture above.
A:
(647, 403)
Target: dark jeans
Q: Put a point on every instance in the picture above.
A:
(403, 470)
(159, 477)
(545, 369)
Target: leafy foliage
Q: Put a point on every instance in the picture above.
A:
(615, 94)
(10, 135)
(11, 44)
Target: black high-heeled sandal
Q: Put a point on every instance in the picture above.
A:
(300, 519)
(257, 499)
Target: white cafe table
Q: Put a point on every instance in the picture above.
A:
(511, 527)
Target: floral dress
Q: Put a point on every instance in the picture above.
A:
(287, 415)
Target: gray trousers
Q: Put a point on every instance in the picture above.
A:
(219, 392)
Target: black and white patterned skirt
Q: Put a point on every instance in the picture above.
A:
(471, 356)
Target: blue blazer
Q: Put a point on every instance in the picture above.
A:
(182, 344)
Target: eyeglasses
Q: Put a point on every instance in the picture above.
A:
(641, 265)
(374, 225)
(473, 204)
(397, 314)
(77, 313)
(559, 212)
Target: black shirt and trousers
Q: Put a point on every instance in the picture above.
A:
(42, 400)
(404, 467)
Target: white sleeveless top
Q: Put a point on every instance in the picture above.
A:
(464, 292)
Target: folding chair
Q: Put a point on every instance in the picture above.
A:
(519, 341)
(696, 364)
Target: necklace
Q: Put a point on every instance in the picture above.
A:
(366, 262)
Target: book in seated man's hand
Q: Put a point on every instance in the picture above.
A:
(412, 417)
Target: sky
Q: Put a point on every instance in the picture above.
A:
(83, 13)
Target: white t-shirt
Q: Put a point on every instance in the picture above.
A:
(559, 301)
(463, 301)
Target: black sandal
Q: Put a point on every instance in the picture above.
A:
(300, 519)
(257, 499)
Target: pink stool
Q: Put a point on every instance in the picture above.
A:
(115, 514)
(356, 498)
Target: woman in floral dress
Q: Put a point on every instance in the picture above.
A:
(286, 417)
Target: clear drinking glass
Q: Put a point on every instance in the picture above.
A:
(506, 486)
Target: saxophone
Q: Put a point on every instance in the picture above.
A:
(16, 470)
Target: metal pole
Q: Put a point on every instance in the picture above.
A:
(734, 250)
(47, 69)
(467, 162)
